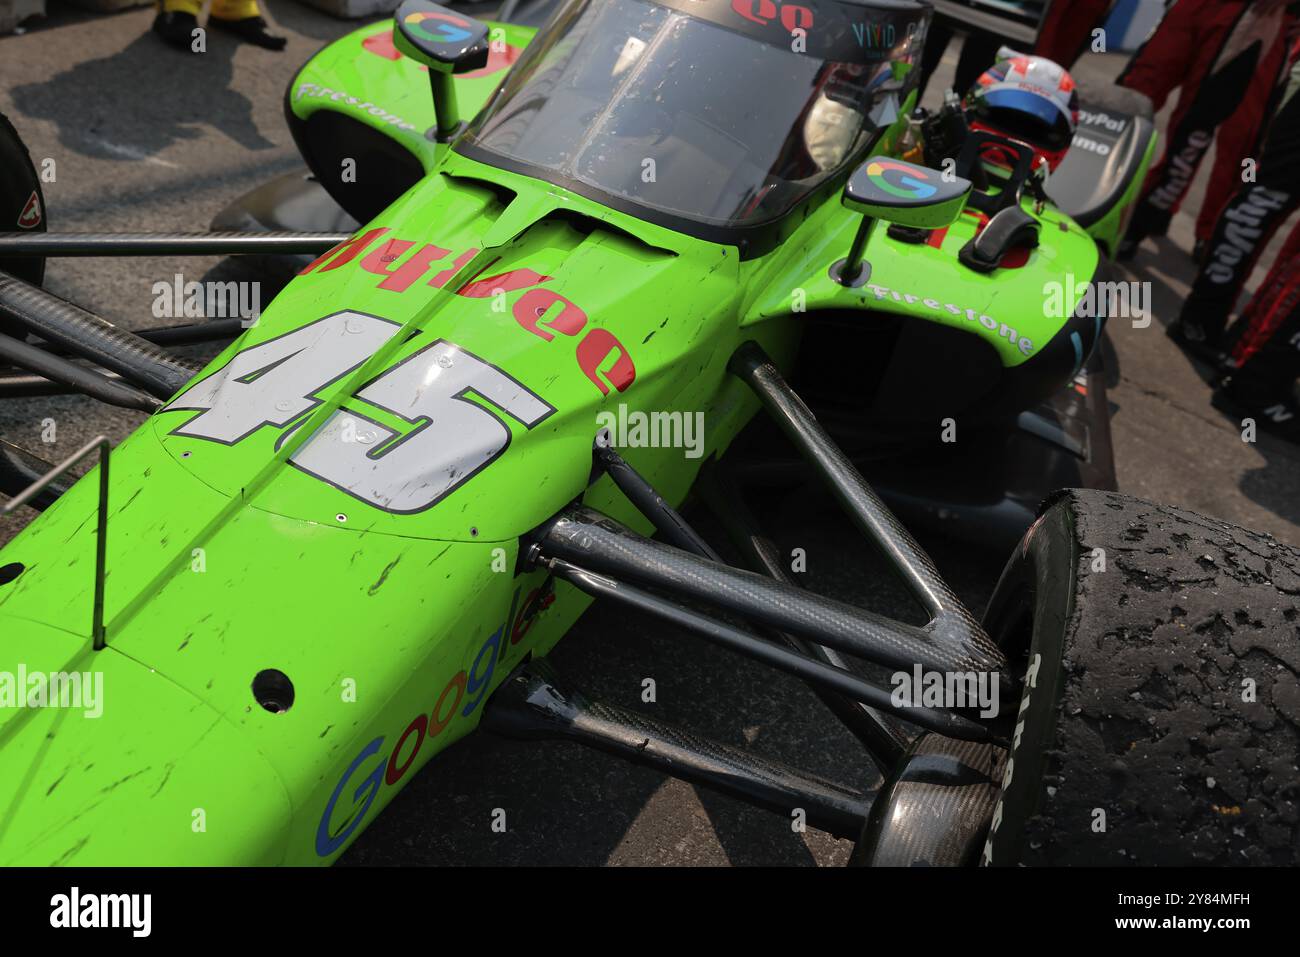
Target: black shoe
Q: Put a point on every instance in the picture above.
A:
(1279, 415)
(253, 30)
(176, 28)
(1198, 251)
(1195, 340)
(1146, 224)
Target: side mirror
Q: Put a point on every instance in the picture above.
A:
(897, 192)
(447, 43)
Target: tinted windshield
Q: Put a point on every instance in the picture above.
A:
(729, 120)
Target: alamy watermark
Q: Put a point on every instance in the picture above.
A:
(952, 690)
(1098, 300)
(74, 690)
(74, 909)
(179, 299)
(624, 429)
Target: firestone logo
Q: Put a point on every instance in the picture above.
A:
(999, 329)
(315, 90)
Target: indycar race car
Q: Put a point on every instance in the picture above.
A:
(532, 258)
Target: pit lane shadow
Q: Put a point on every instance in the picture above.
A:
(84, 102)
(569, 806)
(310, 22)
(1274, 485)
(1168, 289)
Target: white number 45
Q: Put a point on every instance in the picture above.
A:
(446, 437)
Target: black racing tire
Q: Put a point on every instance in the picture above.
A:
(20, 199)
(1138, 740)
(18, 185)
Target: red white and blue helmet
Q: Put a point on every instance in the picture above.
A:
(1029, 99)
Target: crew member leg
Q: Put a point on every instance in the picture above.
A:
(1240, 137)
(1067, 29)
(244, 19)
(1190, 138)
(176, 22)
(1244, 229)
(1263, 387)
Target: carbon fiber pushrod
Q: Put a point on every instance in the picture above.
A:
(883, 740)
(214, 330)
(280, 242)
(670, 525)
(534, 705)
(27, 385)
(592, 540)
(61, 323)
(14, 385)
(883, 743)
(813, 672)
(187, 334)
(59, 375)
(951, 621)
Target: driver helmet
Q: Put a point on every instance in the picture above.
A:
(1029, 99)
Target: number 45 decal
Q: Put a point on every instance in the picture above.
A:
(436, 437)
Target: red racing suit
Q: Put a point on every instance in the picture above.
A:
(1267, 352)
(1067, 28)
(1226, 57)
(1254, 213)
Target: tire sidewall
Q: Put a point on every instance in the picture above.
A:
(1039, 580)
(19, 182)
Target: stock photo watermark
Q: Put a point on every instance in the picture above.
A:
(634, 429)
(1098, 300)
(951, 690)
(68, 690)
(181, 299)
(76, 909)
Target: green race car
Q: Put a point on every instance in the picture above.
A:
(549, 278)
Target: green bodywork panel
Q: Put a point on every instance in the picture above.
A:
(364, 76)
(244, 537)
